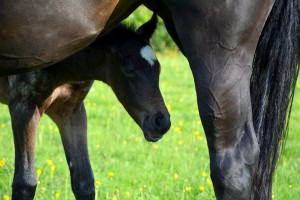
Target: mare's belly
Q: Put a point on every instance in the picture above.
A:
(38, 33)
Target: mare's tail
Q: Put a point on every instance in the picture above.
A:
(274, 77)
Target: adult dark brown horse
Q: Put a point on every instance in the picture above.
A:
(125, 61)
(219, 38)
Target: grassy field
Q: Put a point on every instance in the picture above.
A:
(125, 165)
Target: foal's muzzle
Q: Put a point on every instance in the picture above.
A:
(155, 126)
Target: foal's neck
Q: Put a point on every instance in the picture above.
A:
(86, 65)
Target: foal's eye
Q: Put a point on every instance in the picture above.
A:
(129, 72)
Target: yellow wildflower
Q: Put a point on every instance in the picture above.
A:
(50, 127)
(114, 198)
(98, 183)
(127, 194)
(208, 181)
(169, 108)
(49, 162)
(180, 142)
(200, 138)
(155, 146)
(201, 188)
(180, 123)
(5, 197)
(175, 176)
(39, 172)
(2, 163)
(188, 188)
(52, 167)
(196, 133)
(178, 130)
(111, 174)
(204, 174)
(57, 195)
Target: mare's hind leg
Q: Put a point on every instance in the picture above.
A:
(70, 117)
(219, 40)
(25, 117)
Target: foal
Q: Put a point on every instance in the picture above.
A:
(124, 60)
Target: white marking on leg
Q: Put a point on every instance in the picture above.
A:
(148, 54)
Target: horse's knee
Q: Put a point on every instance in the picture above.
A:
(23, 191)
(84, 190)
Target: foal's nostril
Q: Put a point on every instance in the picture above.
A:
(158, 122)
(161, 123)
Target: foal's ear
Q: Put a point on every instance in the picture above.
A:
(147, 29)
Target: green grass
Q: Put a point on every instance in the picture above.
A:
(172, 169)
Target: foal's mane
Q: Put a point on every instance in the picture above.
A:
(119, 35)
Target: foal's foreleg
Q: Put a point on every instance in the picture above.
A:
(25, 118)
(73, 130)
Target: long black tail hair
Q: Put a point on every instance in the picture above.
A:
(273, 82)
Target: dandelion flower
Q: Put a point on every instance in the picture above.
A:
(178, 130)
(188, 188)
(2, 163)
(175, 176)
(196, 133)
(39, 172)
(57, 195)
(49, 162)
(201, 188)
(136, 139)
(180, 123)
(5, 197)
(200, 138)
(111, 174)
(169, 108)
(114, 198)
(98, 183)
(155, 146)
(204, 174)
(50, 127)
(208, 181)
(52, 167)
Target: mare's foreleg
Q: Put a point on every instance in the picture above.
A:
(25, 118)
(72, 125)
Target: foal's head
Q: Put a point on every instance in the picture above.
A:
(133, 74)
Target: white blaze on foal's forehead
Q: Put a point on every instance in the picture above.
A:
(148, 54)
